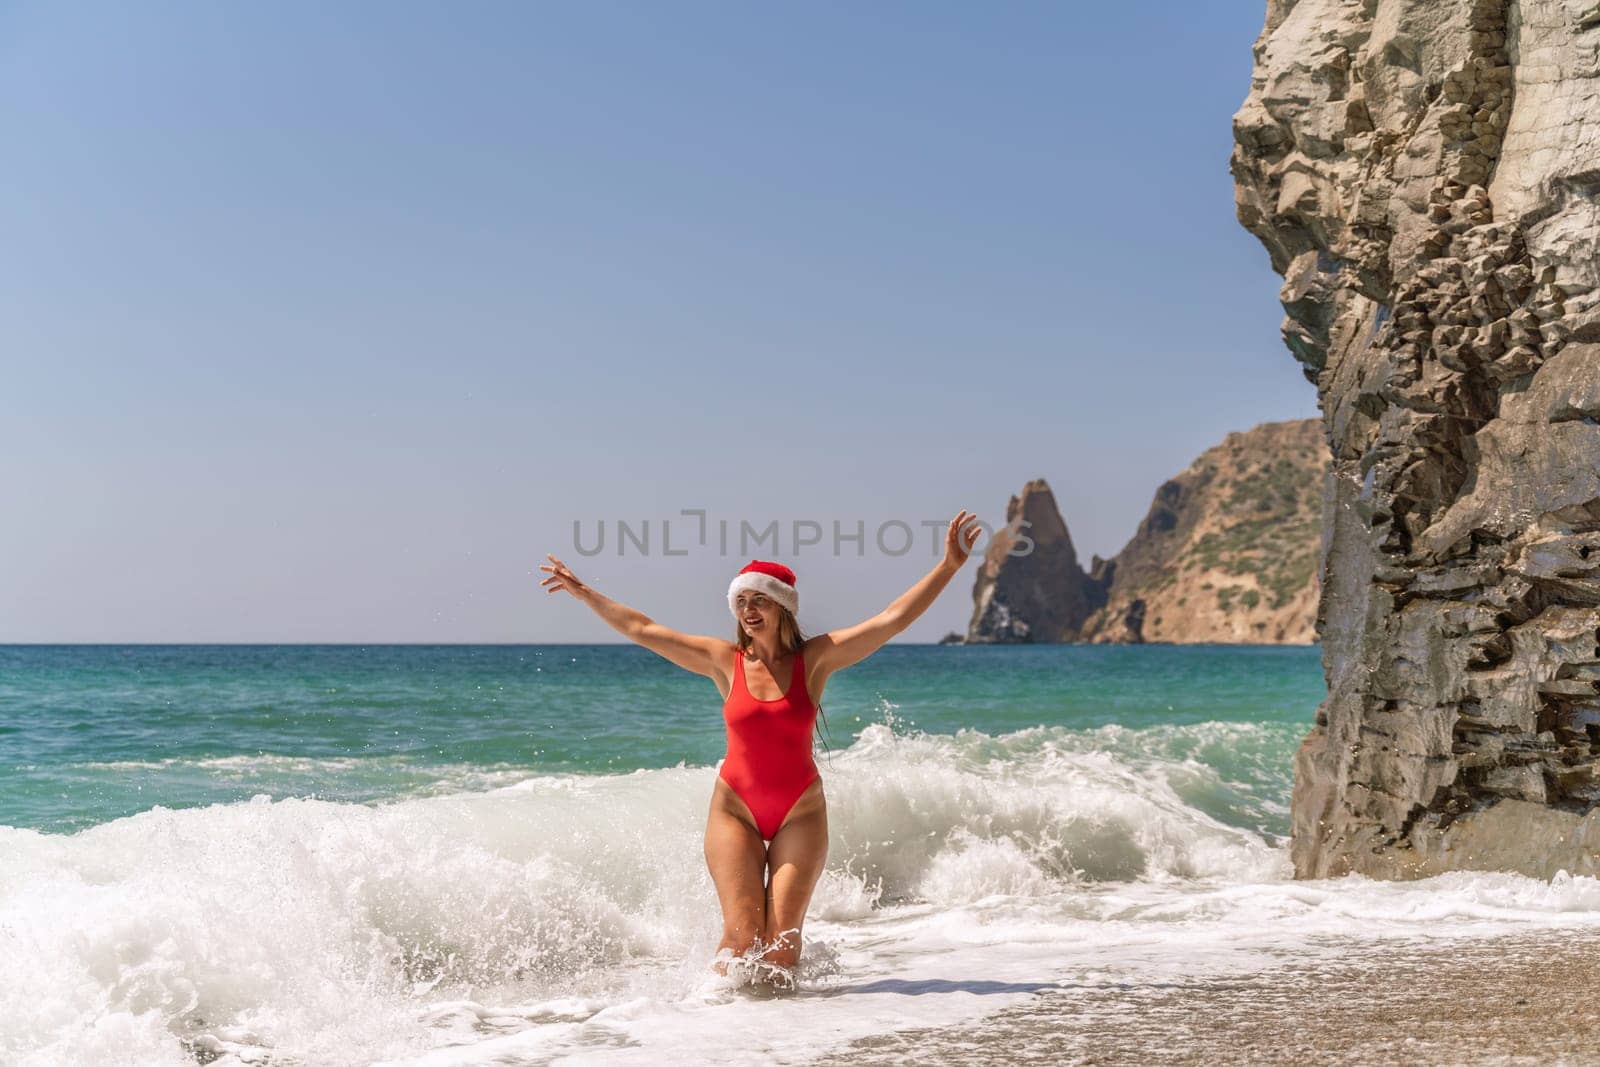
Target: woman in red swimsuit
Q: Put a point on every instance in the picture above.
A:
(767, 831)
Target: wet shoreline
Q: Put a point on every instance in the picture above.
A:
(1521, 998)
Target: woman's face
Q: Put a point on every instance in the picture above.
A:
(757, 612)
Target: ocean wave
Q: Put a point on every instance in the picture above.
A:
(1077, 806)
(262, 762)
(240, 917)
(357, 778)
(318, 927)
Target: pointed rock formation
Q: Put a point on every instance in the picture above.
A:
(1040, 594)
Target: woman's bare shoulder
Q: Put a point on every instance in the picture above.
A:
(723, 658)
(815, 645)
(815, 650)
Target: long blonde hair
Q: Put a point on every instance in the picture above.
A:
(790, 638)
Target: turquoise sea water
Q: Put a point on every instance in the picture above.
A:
(93, 733)
(453, 856)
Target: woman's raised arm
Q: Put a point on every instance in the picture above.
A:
(838, 649)
(689, 651)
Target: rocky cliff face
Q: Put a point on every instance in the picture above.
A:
(1229, 549)
(1426, 176)
(1227, 553)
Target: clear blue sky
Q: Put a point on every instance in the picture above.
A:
(326, 321)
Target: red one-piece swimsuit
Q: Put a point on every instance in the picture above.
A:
(769, 760)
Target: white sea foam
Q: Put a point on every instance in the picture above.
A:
(571, 917)
(294, 774)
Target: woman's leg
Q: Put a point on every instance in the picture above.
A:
(796, 856)
(737, 859)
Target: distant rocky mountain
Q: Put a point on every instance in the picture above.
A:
(1228, 552)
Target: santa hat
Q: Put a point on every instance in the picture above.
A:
(760, 576)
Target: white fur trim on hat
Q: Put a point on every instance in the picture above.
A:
(757, 582)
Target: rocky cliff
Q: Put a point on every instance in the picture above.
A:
(1041, 595)
(1424, 175)
(1227, 553)
(1229, 549)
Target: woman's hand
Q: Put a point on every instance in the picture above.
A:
(959, 539)
(562, 578)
